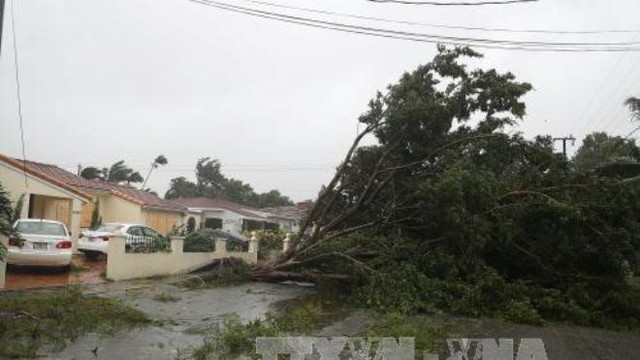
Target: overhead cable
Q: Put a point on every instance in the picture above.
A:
(442, 3)
(430, 38)
(445, 26)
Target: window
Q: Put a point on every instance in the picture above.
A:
(213, 223)
(110, 228)
(150, 232)
(135, 231)
(41, 228)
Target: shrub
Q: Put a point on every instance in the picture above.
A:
(200, 241)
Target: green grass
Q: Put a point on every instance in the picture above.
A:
(427, 335)
(236, 338)
(31, 321)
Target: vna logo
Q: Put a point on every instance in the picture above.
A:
(387, 348)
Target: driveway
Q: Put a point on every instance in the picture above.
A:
(82, 272)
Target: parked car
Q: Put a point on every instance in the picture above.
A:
(138, 238)
(40, 243)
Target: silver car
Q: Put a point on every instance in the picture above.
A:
(40, 243)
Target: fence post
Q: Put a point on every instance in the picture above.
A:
(221, 245)
(117, 265)
(253, 243)
(286, 242)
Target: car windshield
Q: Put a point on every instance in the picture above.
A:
(41, 228)
(108, 228)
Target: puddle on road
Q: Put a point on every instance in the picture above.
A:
(193, 310)
(27, 277)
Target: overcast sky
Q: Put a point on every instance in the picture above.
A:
(276, 103)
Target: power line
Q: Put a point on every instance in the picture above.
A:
(443, 26)
(18, 92)
(439, 3)
(428, 38)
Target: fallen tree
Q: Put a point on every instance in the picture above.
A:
(445, 202)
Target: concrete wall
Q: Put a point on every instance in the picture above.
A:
(13, 181)
(115, 209)
(123, 266)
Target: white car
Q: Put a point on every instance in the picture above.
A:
(40, 243)
(93, 243)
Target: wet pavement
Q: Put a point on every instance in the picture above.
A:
(82, 272)
(184, 318)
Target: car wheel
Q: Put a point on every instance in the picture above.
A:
(92, 255)
(66, 268)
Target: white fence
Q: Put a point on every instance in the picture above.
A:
(122, 265)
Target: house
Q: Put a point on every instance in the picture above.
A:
(222, 214)
(116, 203)
(45, 197)
(287, 217)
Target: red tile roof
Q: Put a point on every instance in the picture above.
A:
(137, 196)
(215, 203)
(36, 171)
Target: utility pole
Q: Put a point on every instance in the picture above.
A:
(1, 18)
(564, 142)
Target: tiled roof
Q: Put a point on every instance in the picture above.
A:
(215, 203)
(36, 171)
(287, 212)
(140, 197)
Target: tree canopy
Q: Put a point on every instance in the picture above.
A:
(599, 149)
(118, 173)
(448, 211)
(211, 182)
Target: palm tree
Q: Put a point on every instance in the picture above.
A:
(160, 160)
(634, 105)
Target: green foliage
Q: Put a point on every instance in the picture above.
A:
(269, 241)
(236, 338)
(297, 320)
(210, 182)
(119, 172)
(471, 220)
(149, 245)
(522, 312)
(9, 214)
(200, 241)
(427, 337)
(96, 219)
(228, 272)
(31, 321)
(599, 149)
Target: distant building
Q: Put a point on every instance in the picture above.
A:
(213, 213)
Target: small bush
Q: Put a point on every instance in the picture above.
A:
(229, 271)
(522, 312)
(200, 241)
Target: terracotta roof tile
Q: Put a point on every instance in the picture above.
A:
(37, 171)
(144, 198)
